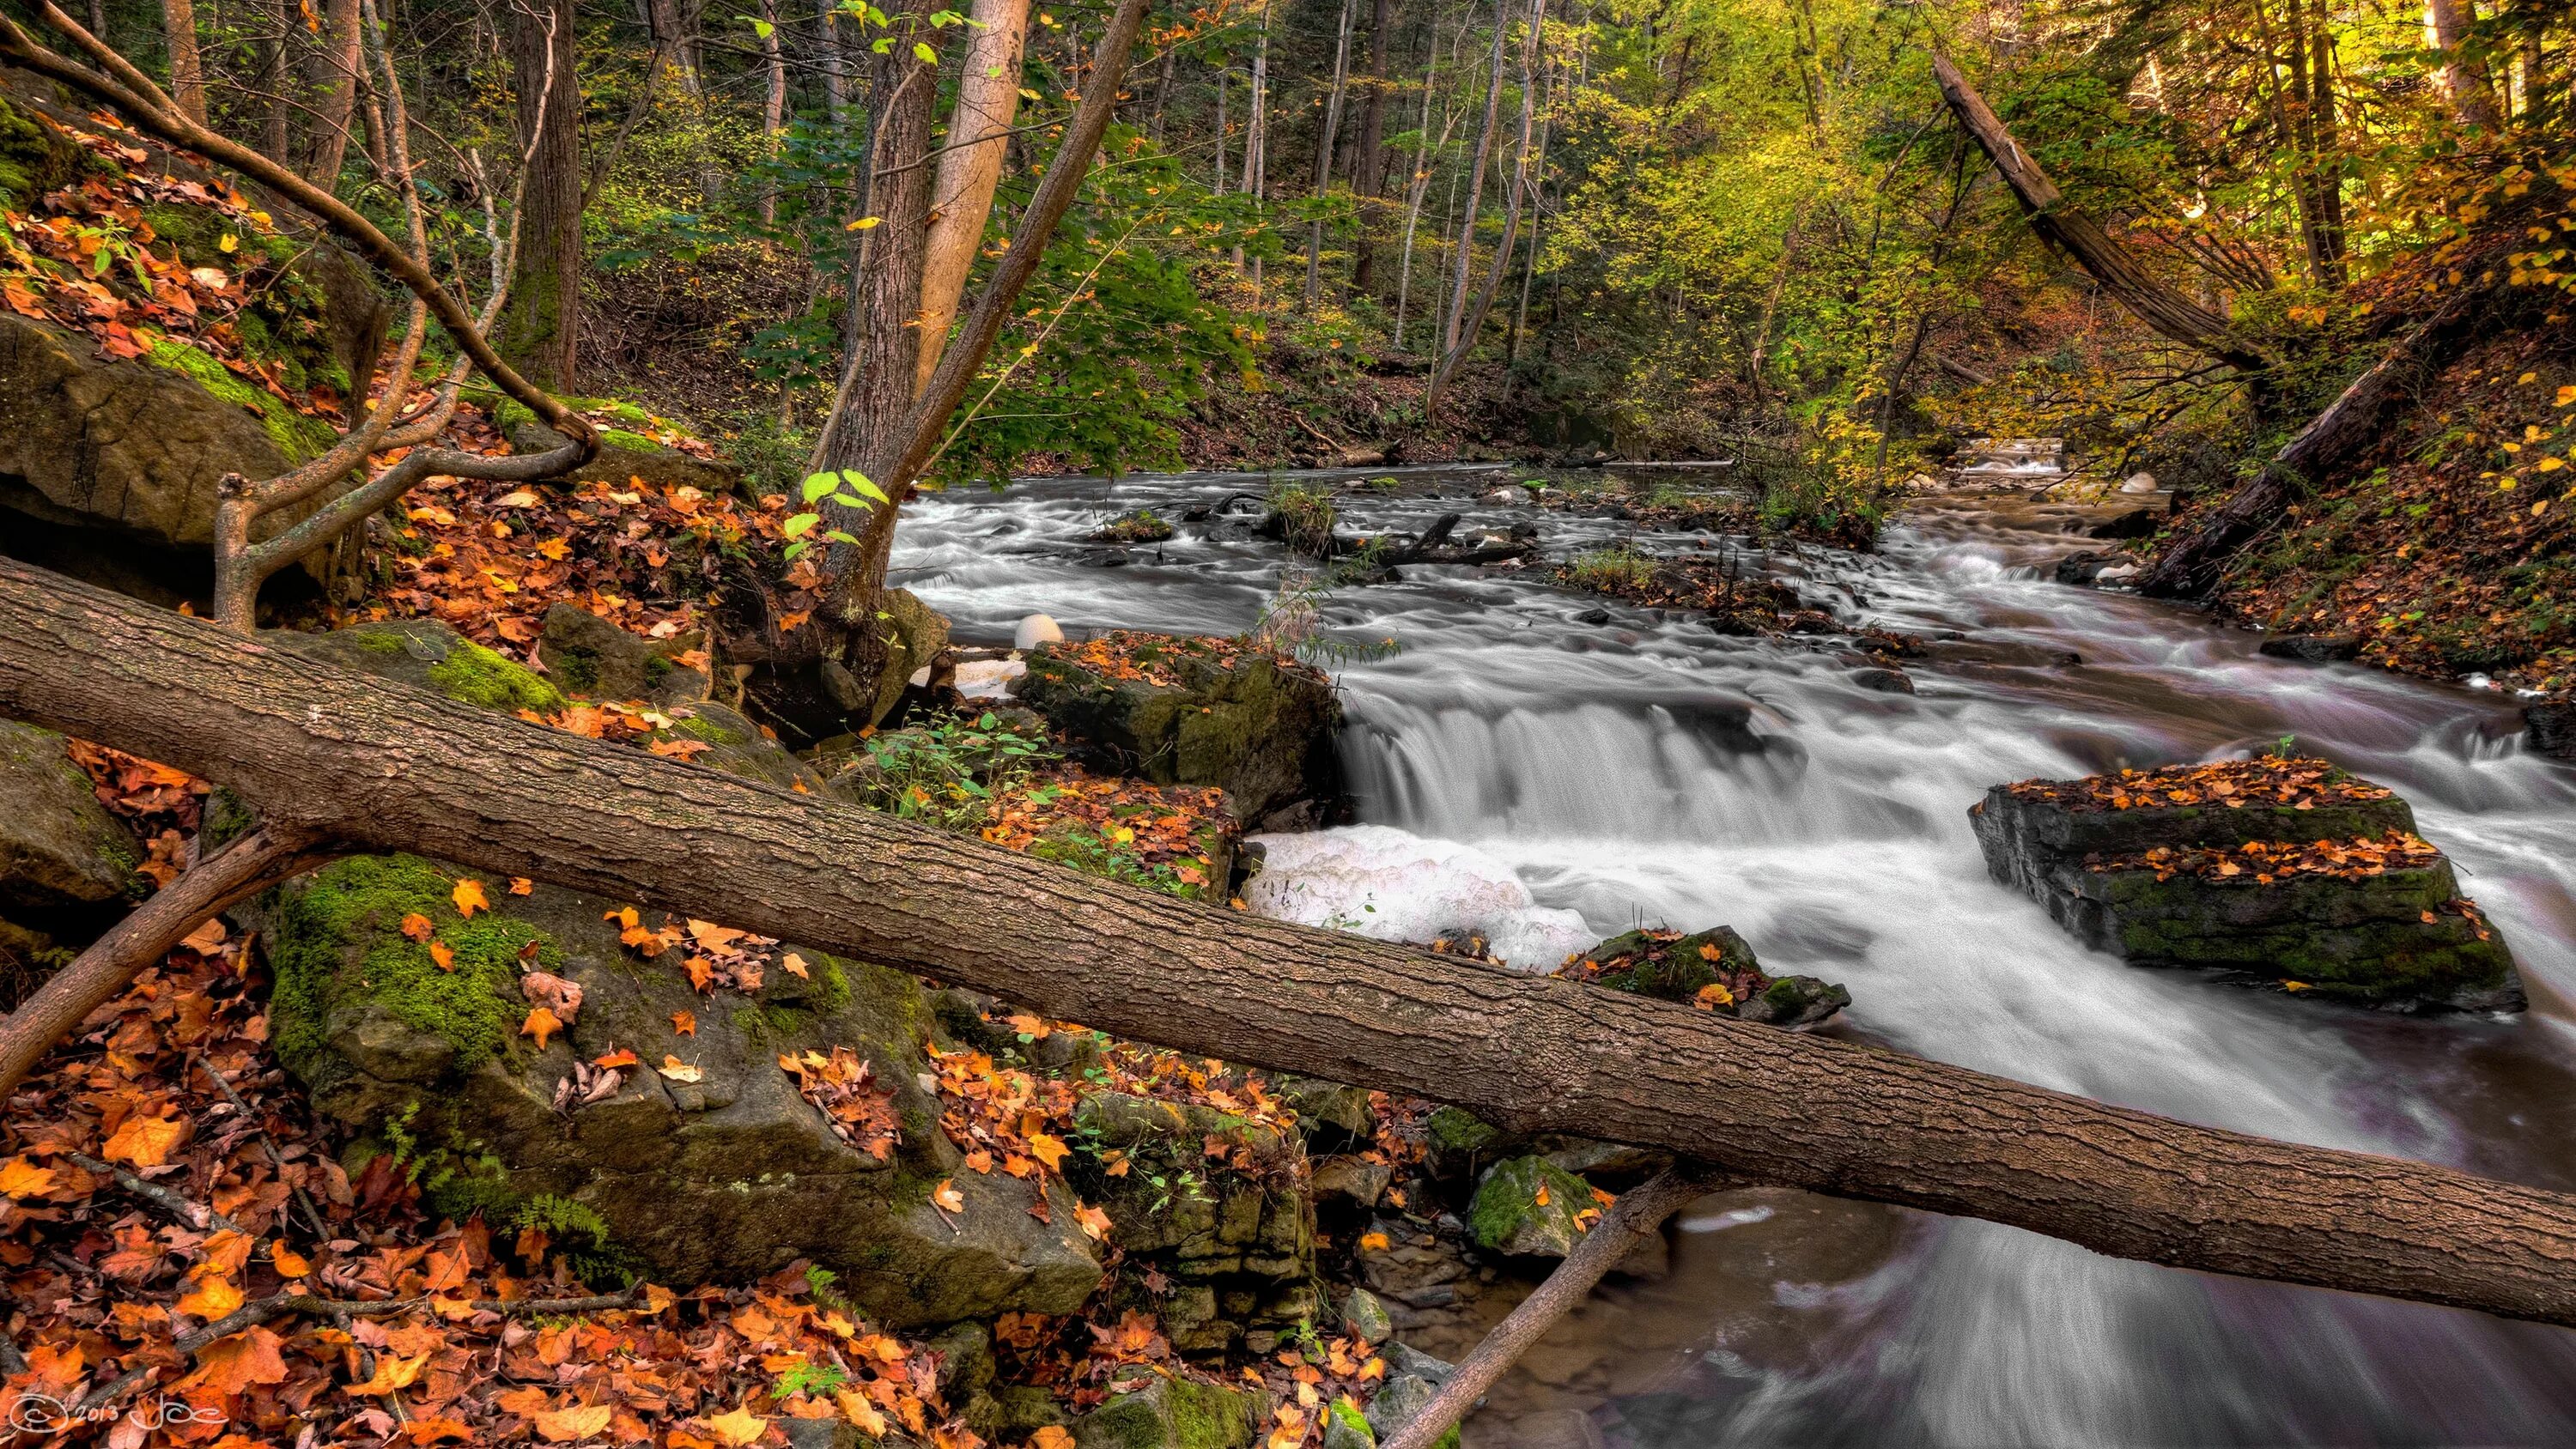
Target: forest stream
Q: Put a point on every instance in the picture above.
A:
(1648, 771)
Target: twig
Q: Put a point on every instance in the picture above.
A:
(276, 1159)
(189, 1213)
(1639, 1211)
(251, 1315)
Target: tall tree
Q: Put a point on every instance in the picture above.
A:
(187, 71)
(970, 167)
(1368, 161)
(1326, 134)
(541, 329)
(1453, 310)
(332, 88)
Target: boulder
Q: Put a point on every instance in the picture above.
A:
(2273, 871)
(1137, 526)
(1176, 1413)
(914, 635)
(698, 1160)
(1712, 969)
(1528, 1207)
(1413, 1379)
(1346, 1427)
(590, 657)
(1331, 1116)
(2312, 648)
(1182, 710)
(2552, 727)
(64, 860)
(2136, 523)
(1365, 1318)
(1352, 1180)
(1217, 1204)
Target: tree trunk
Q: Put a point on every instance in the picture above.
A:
(1453, 309)
(2110, 264)
(773, 104)
(988, 100)
(1418, 185)
(2472, 92)
(542, 325)
(1368, 163)
(187, 72)
(276, 77)
(333, 87)
(2190, 565)
(378, 766)
(1326, 134)
(1463, 330)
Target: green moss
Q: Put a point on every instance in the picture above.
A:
(832, 987)
(30, 162)
(1455, 1131)
(381, 643)
(705, 729)
(1348, 1417)
(298, 437)
(472, 674)
(340, 937)
(631, 442)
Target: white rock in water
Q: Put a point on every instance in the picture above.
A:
(1390, 885)
(2116, 574)
(988, 678)
(1035, 630)
(2140, 482)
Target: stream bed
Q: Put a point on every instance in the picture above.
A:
(1647, 771)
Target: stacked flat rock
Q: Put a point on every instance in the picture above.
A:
(2276, 871)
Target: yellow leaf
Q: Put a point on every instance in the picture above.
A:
(445, 956)
(206, 939)
(391, 1374)
(2567, 396)
(2296, 986)
(679, 1071)
(1374, 1243)
(564, 1426)
(863, 223)
(21, 1178)
(212, 1298)
(862, 1413)
(288, 1262)
(1046, 1149)
(541, 1023)
(227, 242)
(1051, 1436)
(468, 896)
(948, 1196)
(141, 1141)
(794, 965)
(623, 915)
(1539, 1199)
(739, 1428)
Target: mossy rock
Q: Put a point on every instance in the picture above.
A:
(1528, 1207)
(1715, 969)
(430, 655)
(914, 635)
(591, 658)
(1262, 733)
(1176, 1413)
(623, 454)
(33, 158)
(66, 863)
(1346, 1427)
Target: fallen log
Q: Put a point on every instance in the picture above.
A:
(373, 765)
(2075, 232)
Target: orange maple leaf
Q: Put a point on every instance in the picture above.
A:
(469, 898)
(540, 1024)
(233, 1365)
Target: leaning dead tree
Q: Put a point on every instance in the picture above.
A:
(2070, 228)
(243, 563)
(328, 755)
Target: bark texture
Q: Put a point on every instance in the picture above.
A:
(2068, 227)
(377, 766)
(988, 101)
(543, 321)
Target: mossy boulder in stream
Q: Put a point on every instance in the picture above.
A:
(2276, 871)
(1714, 970)
(1194, 711)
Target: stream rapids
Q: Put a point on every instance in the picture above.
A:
(1649, 771)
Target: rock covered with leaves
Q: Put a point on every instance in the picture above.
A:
(1713, 970)
(1195, 711)
(2277, 870)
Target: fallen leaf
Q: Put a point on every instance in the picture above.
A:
(141, 1141)
(621, 1057)
(469, 898)
(21, 1178)
(864, 1414)
(1093, 1221)
(794, 965)
(213, 1297)
(1046, 1149)
(232, 1365)
(684, 1023)
(1051, 1436)
(418, 926)
(288, 1262)
(444, 955)
(947, 1196)
(540, 1024)
(564, 1426)
(520, 885)
(206, 939)
(391, 1374)
(679, 1071)
(739, 1428)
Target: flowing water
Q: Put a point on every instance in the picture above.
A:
(1648, 771)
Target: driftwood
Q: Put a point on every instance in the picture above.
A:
(378, 766)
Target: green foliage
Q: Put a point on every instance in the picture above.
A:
(949, 770)
(1304, 515)
(1610, 569)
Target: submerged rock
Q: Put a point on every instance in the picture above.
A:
(1137, 526)
(2280, 871)
(2552, 726)
(1390, 885)
(2312, 648)
(1189, 711)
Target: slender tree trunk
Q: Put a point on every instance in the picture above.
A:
(1418, 183)
(1217, 186)
(541, 327)
(333, 90)
(1163, 88)
(1464, 330)
(2472, 91)
(1368, 163)
(773, 104)
(1326, 135)
(187, 72)
(1453, 311)
(277, 77)
(1256, 135)
(379, 766)
(988, 99)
